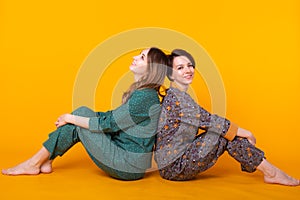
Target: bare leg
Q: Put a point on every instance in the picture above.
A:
(36, 164)
(274, 175)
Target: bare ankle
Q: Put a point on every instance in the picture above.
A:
(267, 168)
(46, 167)
(274, 175)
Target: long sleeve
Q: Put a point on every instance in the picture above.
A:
(135, 111)
(215, 123)
(191, 113)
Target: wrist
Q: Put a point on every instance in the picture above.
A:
(70, 118)
(242, 133)
(239, 132)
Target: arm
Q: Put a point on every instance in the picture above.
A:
(105, 123)
(228, 129)
(127, 115)
(72, 119)
(246, 134)
(111, 121)
(217, 124)
(194, 114)
(132, 113)
(203, 119)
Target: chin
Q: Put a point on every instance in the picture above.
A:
(131, 68)
(189, 81)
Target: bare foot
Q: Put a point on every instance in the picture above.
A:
(38, 163)
(25, 168)
(46, 167)
(281, 178)
(276, 176)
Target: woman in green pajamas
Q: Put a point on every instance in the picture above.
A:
(120, 141)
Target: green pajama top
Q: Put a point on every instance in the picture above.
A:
(123, 139)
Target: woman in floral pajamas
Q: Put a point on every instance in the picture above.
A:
(182, 150)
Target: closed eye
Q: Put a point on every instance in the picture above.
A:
(179, 67)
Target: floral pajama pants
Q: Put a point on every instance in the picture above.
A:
(190, 164)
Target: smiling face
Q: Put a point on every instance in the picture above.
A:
(183, 72)
(139, 64)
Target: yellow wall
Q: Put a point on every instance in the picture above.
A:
(254, 44)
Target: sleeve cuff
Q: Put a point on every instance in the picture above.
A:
(94, 124)
(232, 131)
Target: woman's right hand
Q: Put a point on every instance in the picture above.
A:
(246, 134)
(62, 120)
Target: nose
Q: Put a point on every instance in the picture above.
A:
(187, 69)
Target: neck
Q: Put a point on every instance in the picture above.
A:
(180, 87)
(137, 77)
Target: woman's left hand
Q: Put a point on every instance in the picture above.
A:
(246, 134)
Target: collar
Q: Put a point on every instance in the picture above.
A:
(174, 85)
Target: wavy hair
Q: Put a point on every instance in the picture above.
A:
(157, 63)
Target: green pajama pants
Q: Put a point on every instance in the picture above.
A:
(62, 139)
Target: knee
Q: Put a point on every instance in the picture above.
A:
(84, 111)
(239, 144)
(238, 141)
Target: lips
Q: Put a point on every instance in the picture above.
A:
(190, 76)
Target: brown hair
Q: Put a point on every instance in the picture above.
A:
(157, 62)
(176, 53)
(170, 67)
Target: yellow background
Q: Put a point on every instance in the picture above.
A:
(255, 45)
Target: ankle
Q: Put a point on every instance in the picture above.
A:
(267, 169)
(34, 163)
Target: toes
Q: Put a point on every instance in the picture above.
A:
(6, 172)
